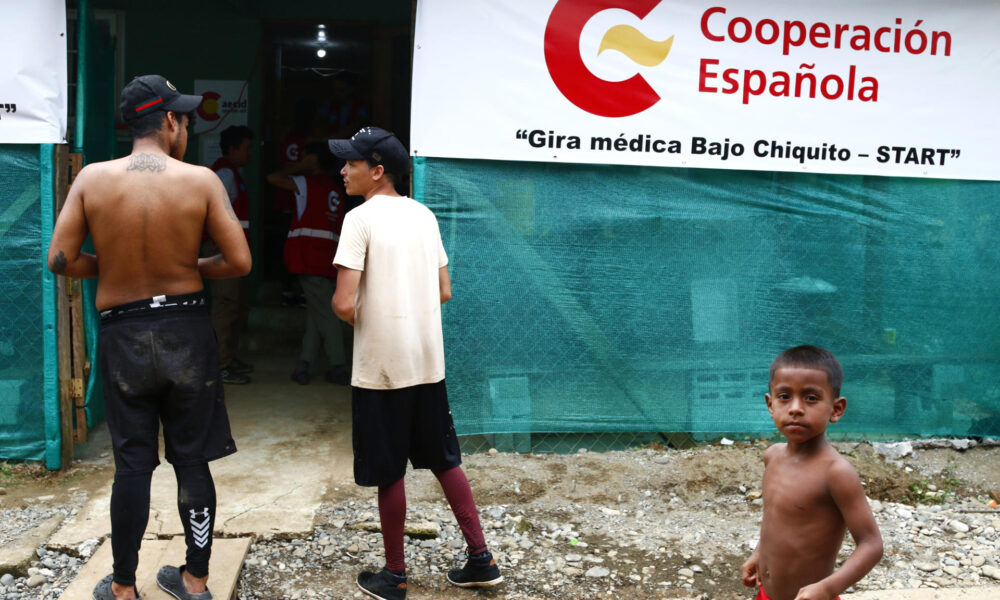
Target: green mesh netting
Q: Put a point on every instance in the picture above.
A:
(22, 419)
(630, 299)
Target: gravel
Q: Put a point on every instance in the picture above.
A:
(638, 524)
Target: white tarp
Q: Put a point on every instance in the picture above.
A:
(33, 72)
(876, 88)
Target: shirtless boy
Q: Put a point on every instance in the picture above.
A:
(145, 213)
(811, 493)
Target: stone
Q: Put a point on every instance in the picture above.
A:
(991, 572)
(37, 580)
(685, 572)
(893, 451)
(978, 560)
(597, 572)
(958, 526)
(6, 579)
(87, 548)
(926, 566)
(963, 444)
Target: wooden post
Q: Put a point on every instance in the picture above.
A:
(80, 371)
(81, 366)
(74, 368)
(63, 343)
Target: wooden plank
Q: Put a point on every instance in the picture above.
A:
(224, 568)
(80, 364)
(99, 565)
(64, 358)
(63, 339)
(75, 164)
(62, 175)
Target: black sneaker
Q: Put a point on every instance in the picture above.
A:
(233, 378)
(301, 373)
(479, 571)
(238, 366)
(385, 585)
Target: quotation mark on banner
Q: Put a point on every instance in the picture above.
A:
(8, 107)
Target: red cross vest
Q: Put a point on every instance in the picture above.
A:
(313, 235)
(241, 204)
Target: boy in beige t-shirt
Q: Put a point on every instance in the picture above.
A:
(392, 279)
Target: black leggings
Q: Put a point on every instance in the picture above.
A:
(130, 514)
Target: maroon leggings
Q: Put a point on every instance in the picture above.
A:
(392, 514)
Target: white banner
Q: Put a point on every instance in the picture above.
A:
(876, 88)
(33, 72)
(223, 104)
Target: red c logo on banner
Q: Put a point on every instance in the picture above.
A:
(208, 110)
(570, 74)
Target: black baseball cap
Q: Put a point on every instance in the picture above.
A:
(148, 93)
(380, 146)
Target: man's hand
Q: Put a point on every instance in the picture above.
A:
(815, 591)
(748, 572)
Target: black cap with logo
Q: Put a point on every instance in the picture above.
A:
(148, 93)
(377, 144)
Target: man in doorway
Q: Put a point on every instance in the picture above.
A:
(309, 250)
(392, 279)
(230, 298)
(146, 213)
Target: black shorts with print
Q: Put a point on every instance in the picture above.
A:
(393, 426)
(160, 363)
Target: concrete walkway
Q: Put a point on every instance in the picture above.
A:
(294, 441)
(224, 567)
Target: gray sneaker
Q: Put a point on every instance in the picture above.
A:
(170, 581)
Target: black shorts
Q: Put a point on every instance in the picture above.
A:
(391, 426)
(160, 362)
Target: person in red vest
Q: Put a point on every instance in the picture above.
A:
(230, 298)
(290, 149)
(309, 250)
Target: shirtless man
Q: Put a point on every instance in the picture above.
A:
(812, 495)
(145, 214)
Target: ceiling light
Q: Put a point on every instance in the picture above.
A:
(321, 53)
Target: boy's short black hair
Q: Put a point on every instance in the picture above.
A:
(811, 357)
(233, 136)
(148, 124)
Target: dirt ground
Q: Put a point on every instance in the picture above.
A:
(699, 498)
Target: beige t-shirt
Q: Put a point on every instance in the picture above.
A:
(398, 342)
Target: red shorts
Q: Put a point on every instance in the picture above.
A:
(762, 596)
